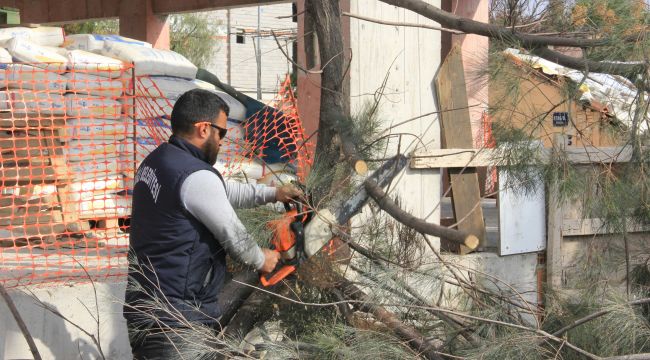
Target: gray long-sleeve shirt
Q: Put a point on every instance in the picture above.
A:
(206, 199)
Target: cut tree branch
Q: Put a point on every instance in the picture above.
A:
(403, 24)
(465, 25)
(536, 43)
(389, 206)
(408, 333)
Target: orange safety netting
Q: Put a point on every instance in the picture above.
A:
(70, 142)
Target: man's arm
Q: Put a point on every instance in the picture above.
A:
(244, 196)
(205, 198)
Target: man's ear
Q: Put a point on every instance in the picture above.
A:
(203, 131)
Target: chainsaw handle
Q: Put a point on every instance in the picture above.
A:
(276, 276)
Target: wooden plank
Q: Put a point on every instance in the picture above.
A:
(595, 226)
(554, 231)
(7, 201)
(457, 133)
(459, 158)
(166, 7)
(40, 231)
(42, 218)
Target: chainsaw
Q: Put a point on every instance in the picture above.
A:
(301, 232)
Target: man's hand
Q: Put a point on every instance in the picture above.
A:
(287, 192)
(271, 259)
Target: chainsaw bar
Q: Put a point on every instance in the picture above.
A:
(319, 229)
(382, 176)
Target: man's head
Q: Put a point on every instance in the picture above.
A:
(200, 117)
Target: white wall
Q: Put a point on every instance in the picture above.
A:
(412, 56)
(243, 69)
(57, 339)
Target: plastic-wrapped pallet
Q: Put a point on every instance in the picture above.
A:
(78, 105)
(96, 129)
(42, 103)
(147, 108)
(167, 87)
(24, 51)
(173, 87)
(94, 64)
(83, 83)
(158, 129)
(150, 61)
(95, 42)
(21, 76)
(237, 109)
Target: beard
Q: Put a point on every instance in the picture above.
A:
(211, 150)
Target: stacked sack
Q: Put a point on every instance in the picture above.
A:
(46, 80)
(115, 114)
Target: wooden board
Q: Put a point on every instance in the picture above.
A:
(522, 218)
(462, 157)
(554, 231)
(579, 227)
(457, 133)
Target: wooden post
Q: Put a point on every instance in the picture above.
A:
(138, 21)
(554, 229)
(457, 133)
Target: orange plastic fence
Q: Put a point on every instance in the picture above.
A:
(70, 142)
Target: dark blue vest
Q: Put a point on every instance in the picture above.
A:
(172, 255)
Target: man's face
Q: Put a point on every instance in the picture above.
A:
(211, 147)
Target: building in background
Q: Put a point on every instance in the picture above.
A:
(236, 62)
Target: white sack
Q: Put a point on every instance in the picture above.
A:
(83, 83)
(24, 51)
(150, 61)
(92, 106)
(95, 42)
(94, 64)
(42, 103)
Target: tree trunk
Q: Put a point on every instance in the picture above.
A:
(325, 17)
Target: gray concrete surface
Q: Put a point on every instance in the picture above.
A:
(58, 339)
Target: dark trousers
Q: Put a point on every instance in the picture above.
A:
(178, 343)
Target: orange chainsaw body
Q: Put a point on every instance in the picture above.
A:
(285, 241)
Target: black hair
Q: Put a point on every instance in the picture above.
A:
(195, 106)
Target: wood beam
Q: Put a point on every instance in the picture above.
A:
(50, 11)
(460, 158)
(63, 11)
(165, 7)
(138, 21)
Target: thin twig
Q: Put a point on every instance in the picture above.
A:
(595, 316)
(21, 323)
(291, 60)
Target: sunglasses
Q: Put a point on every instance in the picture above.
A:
(222, 131)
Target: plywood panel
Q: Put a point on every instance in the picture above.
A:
(406, 59)
(457, 132)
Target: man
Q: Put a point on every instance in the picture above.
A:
(182, 226)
